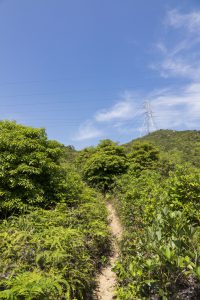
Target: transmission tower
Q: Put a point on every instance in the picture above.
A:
(149, 123)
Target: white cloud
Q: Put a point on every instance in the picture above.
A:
(181, 45)
(181, 57)
(190, 21)
(161, 47)
(123, 110)
(179, 67)
(178, 108)
(87, 131)
(176, 64)
(173, 108)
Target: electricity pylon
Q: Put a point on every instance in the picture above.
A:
(149, 123)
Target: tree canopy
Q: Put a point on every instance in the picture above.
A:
(30, 172)
(104, 164)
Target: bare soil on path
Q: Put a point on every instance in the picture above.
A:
(107, 278)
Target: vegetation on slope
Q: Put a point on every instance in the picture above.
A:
(53, 232)
(159, 204)
(157, 196)
(53, 254)
(185, 145)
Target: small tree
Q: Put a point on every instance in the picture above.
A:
(30, 170)
(104, 165)
(143, 156)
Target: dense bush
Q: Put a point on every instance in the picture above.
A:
(33, 172)
(103, 165)
(30, 169)
(160, 249)
(143, 156)
(183, 190)
(53, 233)
(160, 261)
(53, 254)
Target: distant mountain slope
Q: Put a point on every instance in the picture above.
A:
(186, 142)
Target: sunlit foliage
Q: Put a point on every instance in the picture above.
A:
(102, 167)
(158, 201)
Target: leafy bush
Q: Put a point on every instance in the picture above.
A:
(53, 254)
(106, 163)
(30, 173)
(143, 156)
(53, 234)
(183, 187)
(33, 172)
(161, 260)
(139, 196)
(160, 250)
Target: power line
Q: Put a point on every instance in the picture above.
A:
(68, 79)
(65, 93)
(72, 91)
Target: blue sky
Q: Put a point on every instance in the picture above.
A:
(83, 69)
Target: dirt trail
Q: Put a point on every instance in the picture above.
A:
(107, 278)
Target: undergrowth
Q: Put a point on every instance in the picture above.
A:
(160, 252)
(53, 254)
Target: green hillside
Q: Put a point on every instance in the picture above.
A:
(55, 236)
(53, 228)
(158, 200)
(186, 143)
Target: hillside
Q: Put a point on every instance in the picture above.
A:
(104, 221)
(187, 143)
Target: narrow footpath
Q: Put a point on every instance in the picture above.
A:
(107, 278)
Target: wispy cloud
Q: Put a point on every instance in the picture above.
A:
(173, 109)
(174, 64)
(177, 66)
(178, 108)
(122, 110)
(180, 58)
(190, 21)
(88, 131)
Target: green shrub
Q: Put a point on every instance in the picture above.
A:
(161, 260)
(33, 172)
(160, 253)
(53, 254)
(103, 166)
(30, 173)
(183, 188)
(143, 156)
